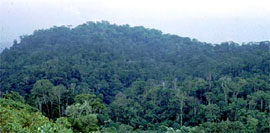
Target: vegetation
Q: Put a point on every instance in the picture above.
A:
(18, 117)
(101, 77)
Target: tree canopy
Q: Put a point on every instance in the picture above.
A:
(111, 78)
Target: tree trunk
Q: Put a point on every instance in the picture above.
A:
(45, 102)
(175, 83)
(39, 105)
(181, 112)
(209, 82)
(261, 104)
(225, 92)
(59, 106)
(194, 111)
(177, 117)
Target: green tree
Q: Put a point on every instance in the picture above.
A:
(56, 93)
(19, 117)
(40, 92)
(83, 113)
(15, 96)
(182, 97)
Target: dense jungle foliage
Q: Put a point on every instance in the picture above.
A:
(102, 77)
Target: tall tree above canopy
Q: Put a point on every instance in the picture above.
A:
(41, 91)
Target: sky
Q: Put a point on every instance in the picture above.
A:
(213, 21)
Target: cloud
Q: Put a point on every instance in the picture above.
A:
(206, 20)
(72, 10)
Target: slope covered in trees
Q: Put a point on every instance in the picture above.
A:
(4, 45)
(15, 116)
(110, 78)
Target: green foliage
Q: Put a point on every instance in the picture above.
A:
(64, 122)
(17, 105)
(252, 124)
(85, 123)
(83, 113)
(108, 77)
(15, 96)
(182, 130)
(221, 127)
(17, 117)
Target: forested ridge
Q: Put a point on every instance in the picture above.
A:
(102, 77)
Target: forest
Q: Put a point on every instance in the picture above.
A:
(106, 78)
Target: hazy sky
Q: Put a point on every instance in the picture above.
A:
(206, 20)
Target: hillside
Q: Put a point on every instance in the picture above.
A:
(140, 79)
(15, 116)
(4, 45)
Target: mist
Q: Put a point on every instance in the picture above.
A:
(208, 21)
